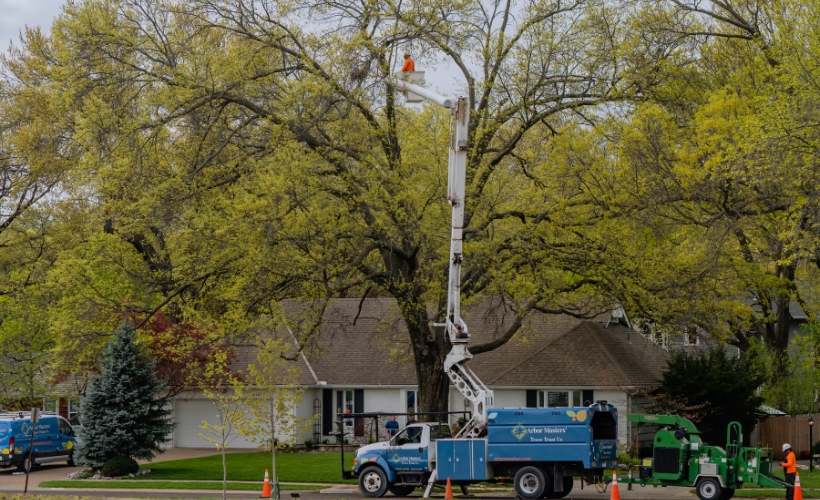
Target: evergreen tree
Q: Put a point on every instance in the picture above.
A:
(715, 388)
(123, 410)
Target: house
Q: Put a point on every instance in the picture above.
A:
(362, 364)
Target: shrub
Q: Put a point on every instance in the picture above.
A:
(120, 466)
(625, 459)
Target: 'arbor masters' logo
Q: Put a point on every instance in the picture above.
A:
(519, 431)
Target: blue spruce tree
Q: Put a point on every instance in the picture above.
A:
(123, 410)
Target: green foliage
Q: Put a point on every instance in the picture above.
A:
(791, 381)
(85, 474)
(124, 414)
(717, 390)
(119, 466)
(214, 160)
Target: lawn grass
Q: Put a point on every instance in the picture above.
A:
(807, 479)
(167, 485)
(759, 493)
(290, 467)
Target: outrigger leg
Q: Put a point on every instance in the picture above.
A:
(430, 484)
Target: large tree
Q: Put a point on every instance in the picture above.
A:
(269, 169)
(738, 163)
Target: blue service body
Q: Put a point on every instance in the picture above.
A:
(584, 436)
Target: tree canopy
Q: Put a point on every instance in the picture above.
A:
(196, 163)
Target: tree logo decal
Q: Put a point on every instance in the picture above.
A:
(580, 416)
(519, 431)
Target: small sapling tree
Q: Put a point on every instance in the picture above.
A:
(274, 392)
(227, 391)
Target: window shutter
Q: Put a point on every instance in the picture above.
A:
(327, 411)
(532, 398)
(587, 398)
(358, 400)
(358, 407)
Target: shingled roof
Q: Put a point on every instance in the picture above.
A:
(370, 347)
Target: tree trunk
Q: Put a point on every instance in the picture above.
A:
(430, 347)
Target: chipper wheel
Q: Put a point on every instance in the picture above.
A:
(708, 488)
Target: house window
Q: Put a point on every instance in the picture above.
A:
(74, 411)
(351, 401)
(51, 405)
(691, 337)
(344, 403)
(559, 398)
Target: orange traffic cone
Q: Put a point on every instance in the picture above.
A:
(266, 486)
(798, 491)
(614, 495)
(448, 492)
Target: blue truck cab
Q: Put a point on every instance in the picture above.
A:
(54, 440)
(542, 448)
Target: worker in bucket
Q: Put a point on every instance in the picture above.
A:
(409, 65)
(789, 469)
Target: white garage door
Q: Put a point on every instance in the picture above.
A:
(189, 416)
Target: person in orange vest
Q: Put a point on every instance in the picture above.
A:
(409, 65)
(789, 469)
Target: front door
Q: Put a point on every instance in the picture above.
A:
(407, 453)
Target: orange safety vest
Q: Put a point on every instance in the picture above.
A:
(409, 65)
(790, 463)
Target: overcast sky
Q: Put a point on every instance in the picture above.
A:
(15, 14)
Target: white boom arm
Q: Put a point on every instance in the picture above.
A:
(455, 364)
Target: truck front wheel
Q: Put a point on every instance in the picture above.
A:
(708, 488)
(530, 483)
(373, 482)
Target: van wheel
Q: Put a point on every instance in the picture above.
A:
(530, 483)
(71, 462)
(709, 489)
(25, 465)
(373, 482)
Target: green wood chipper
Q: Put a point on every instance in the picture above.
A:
(681, 458)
